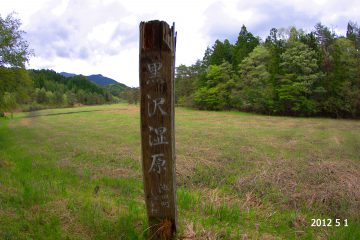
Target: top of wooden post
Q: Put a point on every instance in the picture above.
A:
(157, 35)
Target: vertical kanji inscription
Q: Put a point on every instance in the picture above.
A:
(157, 63)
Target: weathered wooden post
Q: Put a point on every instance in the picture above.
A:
(157, 68)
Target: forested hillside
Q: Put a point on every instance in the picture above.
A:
(96, 78)
(39, 89)
(290, 73)
(53, 88)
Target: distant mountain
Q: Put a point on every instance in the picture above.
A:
(65, 74)
(97, 78)
(101, 80)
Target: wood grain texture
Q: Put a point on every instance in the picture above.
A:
(157, 63)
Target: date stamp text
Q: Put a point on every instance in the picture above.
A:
(317, 222)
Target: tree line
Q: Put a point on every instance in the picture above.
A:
(290, 73)
(38, 89)
(53, 89)
(30, 90)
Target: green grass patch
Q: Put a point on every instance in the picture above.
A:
(76, 174)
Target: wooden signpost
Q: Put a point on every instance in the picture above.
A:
(157, 68)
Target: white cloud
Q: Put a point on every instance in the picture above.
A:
(102, 32)
(60, 9)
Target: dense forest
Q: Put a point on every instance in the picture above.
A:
(52, 88)
(290, 73)
(30, 90)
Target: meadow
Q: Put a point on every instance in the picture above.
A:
(75, 173)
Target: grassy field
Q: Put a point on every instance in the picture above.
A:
(76, 174)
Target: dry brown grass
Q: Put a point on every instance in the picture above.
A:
(187, 162)
(217, 197)
(113, 172)
(69, 222)
(197, 232)
(162, 230)
(333, 188)
(97, 171)
(333, 185)
(24, 122)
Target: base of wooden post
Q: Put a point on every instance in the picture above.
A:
(161, 229)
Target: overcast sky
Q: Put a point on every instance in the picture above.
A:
(101, 36)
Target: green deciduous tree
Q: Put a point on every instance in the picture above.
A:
(300, 74)
(132, 95)
(15, 82)
(254, 91)
(207, 98)
(14, 53)
(214, 93)
(14, 50)
(343, 98)
(40, 96)
(8, 102)
(185, 84)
